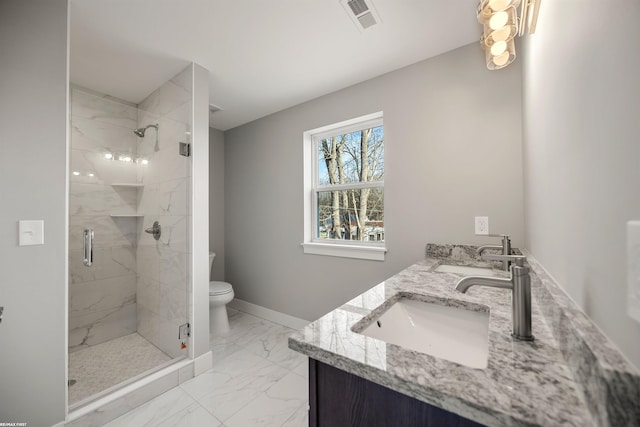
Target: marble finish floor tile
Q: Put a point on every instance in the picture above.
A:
(193, 416)
(275, 406)
(233, 383)
(274, 347)
(174, 404)
(264, 338)
(300, 418)
(254, 382)
(222, 349)
(105, 365)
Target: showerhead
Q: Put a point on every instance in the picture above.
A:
(140, 131)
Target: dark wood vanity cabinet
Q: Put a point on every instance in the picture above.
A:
(341, 399)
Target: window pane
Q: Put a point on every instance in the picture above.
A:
(351, 214)
(351, 157)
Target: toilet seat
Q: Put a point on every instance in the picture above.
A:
(219, 288)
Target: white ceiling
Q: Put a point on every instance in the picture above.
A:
(262, 55)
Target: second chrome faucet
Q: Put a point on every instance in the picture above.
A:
(505, 248)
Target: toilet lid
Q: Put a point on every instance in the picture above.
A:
(219, 288)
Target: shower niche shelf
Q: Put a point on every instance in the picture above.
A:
(132, 187)
(127, 184)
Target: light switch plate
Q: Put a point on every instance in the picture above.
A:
(30, 233)
(633, 269)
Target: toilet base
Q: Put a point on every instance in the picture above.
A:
(218, 320)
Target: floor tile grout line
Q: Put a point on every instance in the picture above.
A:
(271, 325)
(273, 365)
(200, 403)
(271, 336)
(293, 415)
(209, 412)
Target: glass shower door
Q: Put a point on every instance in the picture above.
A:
(163, 246)
(128, 237)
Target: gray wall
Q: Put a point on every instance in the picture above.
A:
(33, 138)
(453, 150)
(582, 153)
(216, 201)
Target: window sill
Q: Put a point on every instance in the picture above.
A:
(374, 253)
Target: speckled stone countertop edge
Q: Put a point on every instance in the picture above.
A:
(609, 357)
(610, 384)
(520, 387)
(451, 403)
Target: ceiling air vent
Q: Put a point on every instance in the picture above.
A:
(358, 7)
(361, 12)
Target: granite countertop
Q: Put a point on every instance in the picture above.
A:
(525, 383)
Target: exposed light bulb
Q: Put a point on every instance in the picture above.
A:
(91, 175)
(498, 20)
(498, 48)
(502, 59)
(108, 156)
(501, 34)
(126, 159)
(501, 24)
(145, 161)
(76, 173)
(500, 4)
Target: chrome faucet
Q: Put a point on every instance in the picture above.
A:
(520, 285)
(505, 248)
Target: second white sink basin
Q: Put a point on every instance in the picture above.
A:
(452, 333)
(465, 270)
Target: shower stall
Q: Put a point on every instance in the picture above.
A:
(129, 228)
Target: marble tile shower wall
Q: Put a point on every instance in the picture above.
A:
(102, 298)
(162, 287)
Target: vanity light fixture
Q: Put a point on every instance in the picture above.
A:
(501, 22)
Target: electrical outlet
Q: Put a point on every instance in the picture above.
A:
(633, 269)
(482, 225)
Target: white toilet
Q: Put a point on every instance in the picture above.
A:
(220, 294)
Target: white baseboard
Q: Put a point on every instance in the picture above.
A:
(268, 314)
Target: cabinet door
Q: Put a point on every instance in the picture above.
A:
(338, 398)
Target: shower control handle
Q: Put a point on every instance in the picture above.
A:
(155, 229)
(87, 245)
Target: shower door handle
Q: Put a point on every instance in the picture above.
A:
(88, 247)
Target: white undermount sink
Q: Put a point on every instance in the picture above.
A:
(465, 270)
(452, 333)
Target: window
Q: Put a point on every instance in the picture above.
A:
(344, 189)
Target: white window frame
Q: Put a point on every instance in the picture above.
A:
(339, 248)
